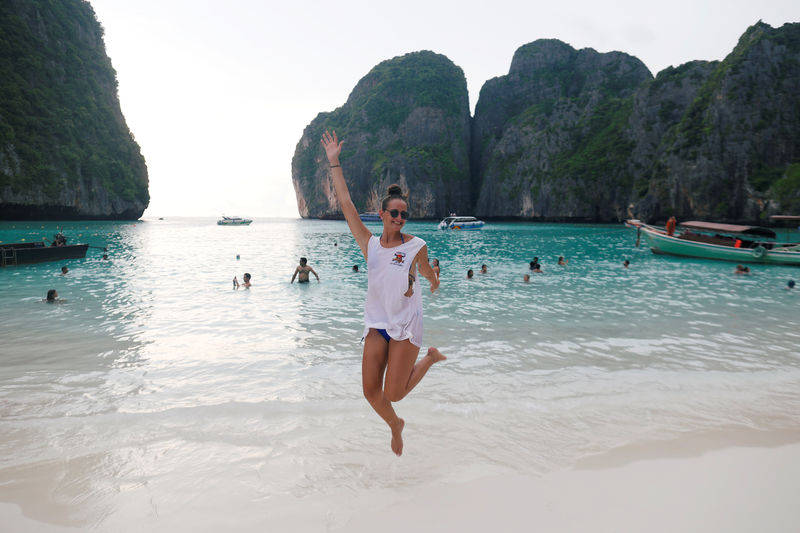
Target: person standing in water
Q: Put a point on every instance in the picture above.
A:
(393, 308)
(435, 267)
(302, 270)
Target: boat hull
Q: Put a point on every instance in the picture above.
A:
(661, 243)
(29, 253)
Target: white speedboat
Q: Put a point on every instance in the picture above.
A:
(369, 217)
(461, 223)
(234, 221)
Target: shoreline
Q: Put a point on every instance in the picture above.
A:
(726, 481)
(736, 489)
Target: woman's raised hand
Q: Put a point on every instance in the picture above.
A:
(333, 147)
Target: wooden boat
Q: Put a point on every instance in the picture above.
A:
(22, 253)
(724, 242)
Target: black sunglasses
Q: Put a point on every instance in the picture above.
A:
(394, 212)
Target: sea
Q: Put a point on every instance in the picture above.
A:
(155, 392)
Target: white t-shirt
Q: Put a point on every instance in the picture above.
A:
(387, 307)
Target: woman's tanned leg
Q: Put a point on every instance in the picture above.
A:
(373, 366)
(403, 371)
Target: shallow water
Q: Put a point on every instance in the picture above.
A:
(156, 389)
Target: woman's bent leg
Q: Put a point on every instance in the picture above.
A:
(373, 366)
(403, 371)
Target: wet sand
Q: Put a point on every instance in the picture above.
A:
(737, 489)
(729, 490)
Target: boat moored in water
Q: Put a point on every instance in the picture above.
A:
(369, 217)
(24, 253)
(724, 242)
(234, 221)
(461, 223)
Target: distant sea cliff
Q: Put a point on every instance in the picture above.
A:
(65, 149)
(572, 135)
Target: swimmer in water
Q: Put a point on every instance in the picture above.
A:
(52, 297)
(436, 269)
(301, 272)
(246, 283)
(393, 310)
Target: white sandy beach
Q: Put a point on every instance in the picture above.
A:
(740, 489)
(730, 490)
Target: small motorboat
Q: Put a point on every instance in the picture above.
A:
(23, 253)
(455, 222)
(369, 217)
(234, 221)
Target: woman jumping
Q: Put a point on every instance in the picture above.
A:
(393, 310)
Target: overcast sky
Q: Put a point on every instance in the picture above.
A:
(217, 93)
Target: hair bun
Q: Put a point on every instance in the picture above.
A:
(394, 190)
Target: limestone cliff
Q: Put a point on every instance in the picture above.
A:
(548, 138)
(65, 149)
(731, 146)
(574, 135)
(407, 122)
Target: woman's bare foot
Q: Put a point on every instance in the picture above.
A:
(436, 355)
(397, 436)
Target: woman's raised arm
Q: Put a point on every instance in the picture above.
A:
(333, 147)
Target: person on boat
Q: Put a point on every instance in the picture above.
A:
(670, 227)
(562, 261)
(393, 309)
(64, 271)
(435, 267)
(301, 272)
(469, 274)
(484, 269)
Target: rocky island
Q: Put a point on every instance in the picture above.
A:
(65, 149)
(573, 135)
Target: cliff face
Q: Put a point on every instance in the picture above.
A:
(65, 149)
(574, 135)
(406, 122)
(731, 147)
(548, 138)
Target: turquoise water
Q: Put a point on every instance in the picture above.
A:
(156, 382)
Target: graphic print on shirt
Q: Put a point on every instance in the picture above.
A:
(399, 258)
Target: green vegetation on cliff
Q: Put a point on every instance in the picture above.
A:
(407, 119)
(60, 124)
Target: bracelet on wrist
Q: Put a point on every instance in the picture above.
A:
(334, 166)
